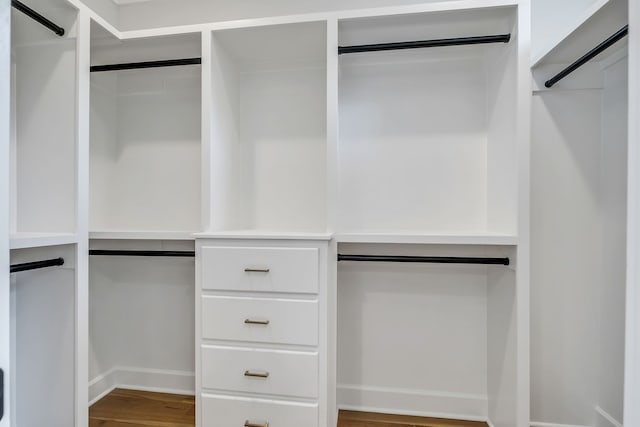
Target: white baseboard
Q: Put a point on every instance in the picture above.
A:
(538, 424)
(468, 407)
(156, 380)
(604, 419)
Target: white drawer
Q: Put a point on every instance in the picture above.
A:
(284, 373)
(293, 270)
(289, 321)
(223, 411)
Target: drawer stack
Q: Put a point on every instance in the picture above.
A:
(259, 363)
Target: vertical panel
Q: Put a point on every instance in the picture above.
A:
(632, 376)
(566, 249)
(5, 60)
(82, 215)
(502, 353)
(523, 286)
(613, 208)
(330, 309)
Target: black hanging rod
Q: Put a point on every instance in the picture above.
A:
(178, 254)
(588, 56)
(16, 268)
(37, 17)
(149, 64)
(424, 259)
(502, 38)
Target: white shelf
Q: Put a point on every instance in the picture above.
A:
(141, 235)
(598, 23)
(259, 234)
(409, 237)
(38, 240)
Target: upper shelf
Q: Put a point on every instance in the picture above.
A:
(38, 240)
(141, 235)
(598, 23)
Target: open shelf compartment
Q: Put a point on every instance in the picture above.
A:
(427, 137)
(268, 128)
(145, 136)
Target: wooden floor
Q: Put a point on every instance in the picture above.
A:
(366, 419)
(127, 408)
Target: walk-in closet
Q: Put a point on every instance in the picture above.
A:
(321, 214)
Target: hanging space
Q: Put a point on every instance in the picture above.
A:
(144, 206)
(431, 276)
(579, 199)
(42, 205)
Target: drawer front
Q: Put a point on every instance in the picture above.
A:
(223, 411)
(283, 373)
(275, 321)
(293, 270)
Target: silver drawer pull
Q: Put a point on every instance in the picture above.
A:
(256, 374)
(250, 424)
(256, 322)
(256, 270)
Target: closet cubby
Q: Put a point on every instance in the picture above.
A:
(43, 127)
(428, 137)
(43, 338)
(427, 339)
(141, 311)
(145, 148)
(268, 128)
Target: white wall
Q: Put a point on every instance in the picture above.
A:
(550, 17)
(578, 252)
(396, 322)
(142, 321)
(614, 209)
(565, 247)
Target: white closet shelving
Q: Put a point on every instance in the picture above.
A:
(145, 196)
(427, 136)
(145, 137)
(43, 127)
(277, 150)
(579, 234)
(268, 129)
(43, 200)
(427, 156)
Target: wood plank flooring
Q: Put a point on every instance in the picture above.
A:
(367, 419)
(129, 408)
